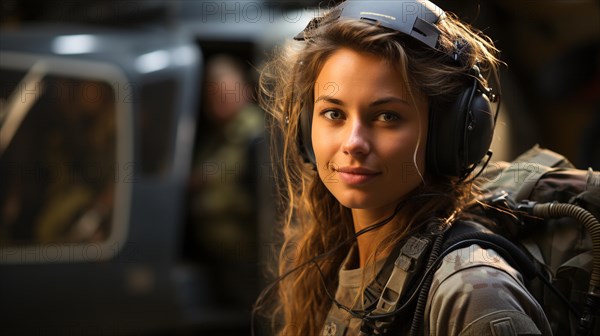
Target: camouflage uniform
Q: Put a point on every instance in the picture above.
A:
(474, 292)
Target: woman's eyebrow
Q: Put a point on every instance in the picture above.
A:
(328, 99)
(390, 99)
(380, 101)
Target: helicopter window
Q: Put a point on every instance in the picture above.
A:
(57, 158)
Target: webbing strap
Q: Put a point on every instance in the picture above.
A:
(520, 177)
(537, 162)
(544, 157)
(374, 289)
(405, 266)
(396, 276)
(529, 167)
(388, 284)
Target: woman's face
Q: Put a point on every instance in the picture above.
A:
(365, 131)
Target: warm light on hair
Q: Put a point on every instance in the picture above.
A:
(314, 221)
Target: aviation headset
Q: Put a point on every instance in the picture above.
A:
(458, 139)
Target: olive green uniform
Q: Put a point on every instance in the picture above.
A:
(474, 292)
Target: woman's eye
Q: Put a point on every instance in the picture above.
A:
(388, 116)
(332, 114)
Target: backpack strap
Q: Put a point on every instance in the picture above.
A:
(465, 233)
(397, 274)
(410, 264)
(409, 261)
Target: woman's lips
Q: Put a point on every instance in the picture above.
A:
(356, 175)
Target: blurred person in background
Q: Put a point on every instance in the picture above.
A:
(224, 200)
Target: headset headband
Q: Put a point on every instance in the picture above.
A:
(414, 18)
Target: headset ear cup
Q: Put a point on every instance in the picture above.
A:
(446, 135)
(479, 129)
(460, 136)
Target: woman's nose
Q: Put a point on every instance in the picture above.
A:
(356, 142)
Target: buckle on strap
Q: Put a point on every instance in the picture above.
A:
(405, 266)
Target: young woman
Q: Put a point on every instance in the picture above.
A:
(380, 114)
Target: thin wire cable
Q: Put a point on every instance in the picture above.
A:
(270, 287)
(275, 282)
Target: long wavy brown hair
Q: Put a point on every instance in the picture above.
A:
(314, 222)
